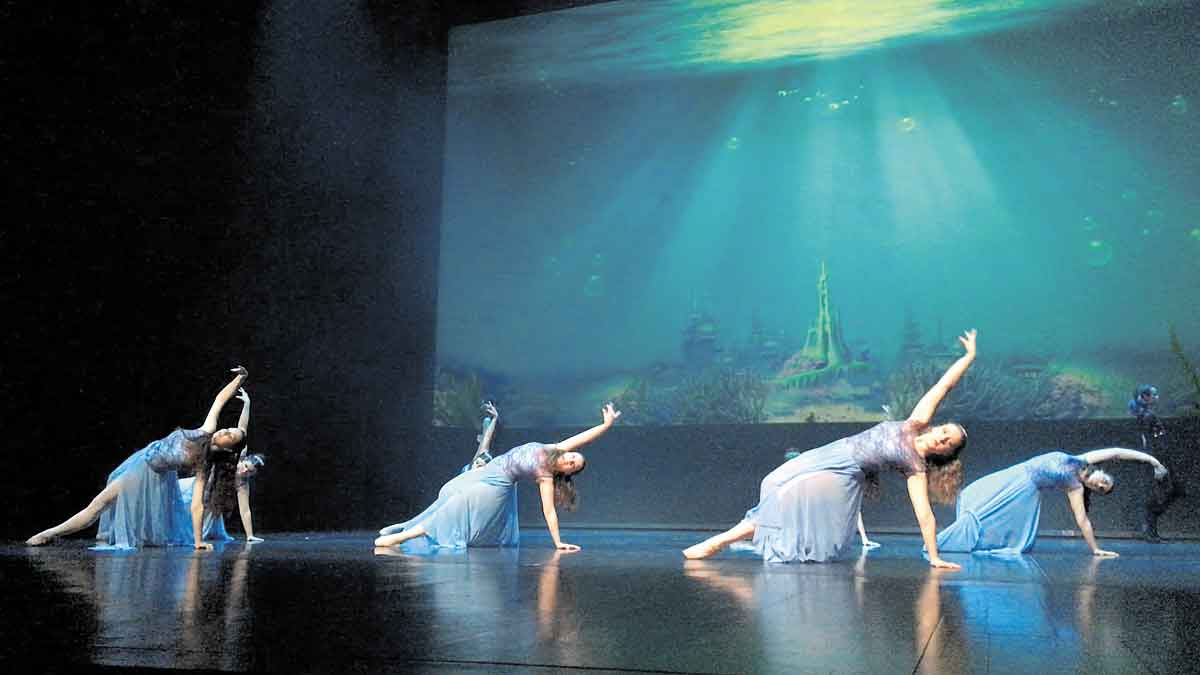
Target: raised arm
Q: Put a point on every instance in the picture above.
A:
(1124, 454)
(244, 418)
(485, 439)
(223, 396)
(1075, 498)
(583, 438)
(928, 405)
(198, 513)
(546, 491)
(918, 493)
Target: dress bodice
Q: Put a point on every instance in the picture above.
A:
(524, 462)
(1055, 470)
(887, 445)
(176, 450)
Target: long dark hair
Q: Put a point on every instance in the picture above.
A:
(220, 479)
(565, 494)
(1087, 491)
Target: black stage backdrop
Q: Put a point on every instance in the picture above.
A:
(259, 183)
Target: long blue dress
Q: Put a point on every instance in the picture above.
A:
(479, 507)
(998, 514)
(145, 511)
(214, 524)
(808, 507)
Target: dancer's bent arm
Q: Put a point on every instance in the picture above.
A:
(928, 405)
(583, 438)
(1108, 454)
(223, 396)
(918, 493)
(1075, 498)
(546, 490)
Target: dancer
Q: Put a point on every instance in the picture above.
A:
(214, 521)
(475, 508)
(808, 508)
(1167, 489)
(137, 506)
(998, 514)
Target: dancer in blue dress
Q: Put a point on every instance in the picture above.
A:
(138, 505)
(998, 514)
(808, 508)
(248, 466)
(476, 508)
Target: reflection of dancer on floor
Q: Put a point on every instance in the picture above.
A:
(138, 504)
(475, 508)
(808, 507)
(998, 513)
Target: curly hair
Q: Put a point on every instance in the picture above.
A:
(565, 494)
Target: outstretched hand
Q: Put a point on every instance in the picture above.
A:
(610, 414)
(1160, 472)
(243, 396)
(490, 409)
(967, 340)
(240, 371)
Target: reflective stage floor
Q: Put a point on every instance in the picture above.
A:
(627, 603)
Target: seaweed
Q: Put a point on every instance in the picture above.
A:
(1185, 364)
(720, 396)
(990, 392)
(456, 400)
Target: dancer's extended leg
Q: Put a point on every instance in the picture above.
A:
(743, 530)
(82, 519)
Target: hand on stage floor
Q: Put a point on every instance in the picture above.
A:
(1101, 553)
(564, 546)
(204, 546)
(867, 543)
(944, 564)
(254, 540)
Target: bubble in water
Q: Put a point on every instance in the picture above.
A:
(1146, 232)
(1129, 195)
(1195, 234)
(1154, 216)
(1099, 253)
(1179, 105)
(598, 260)
(781, 93)
(594, 287)
(834, 106)
(733, 143)
(907, 125)
(1090, 224)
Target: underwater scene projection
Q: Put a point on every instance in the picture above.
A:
(716, 212)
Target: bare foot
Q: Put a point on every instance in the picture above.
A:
(701, 550)
(38, 540)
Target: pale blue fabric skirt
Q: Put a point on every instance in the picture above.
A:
(808, 507)
(145, 512)
(997, 514)
(476, 508)
(214, 525)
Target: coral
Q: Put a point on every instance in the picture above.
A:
(995, 393)
(712, 396)
(456, 400)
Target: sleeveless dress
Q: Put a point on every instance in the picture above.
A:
(998, 514)
(808, 507)
(145, 511)
(479, 507)
(214, 524)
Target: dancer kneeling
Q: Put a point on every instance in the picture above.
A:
(138, 505)
(808, 507)
(475, 508)
(998, 514)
